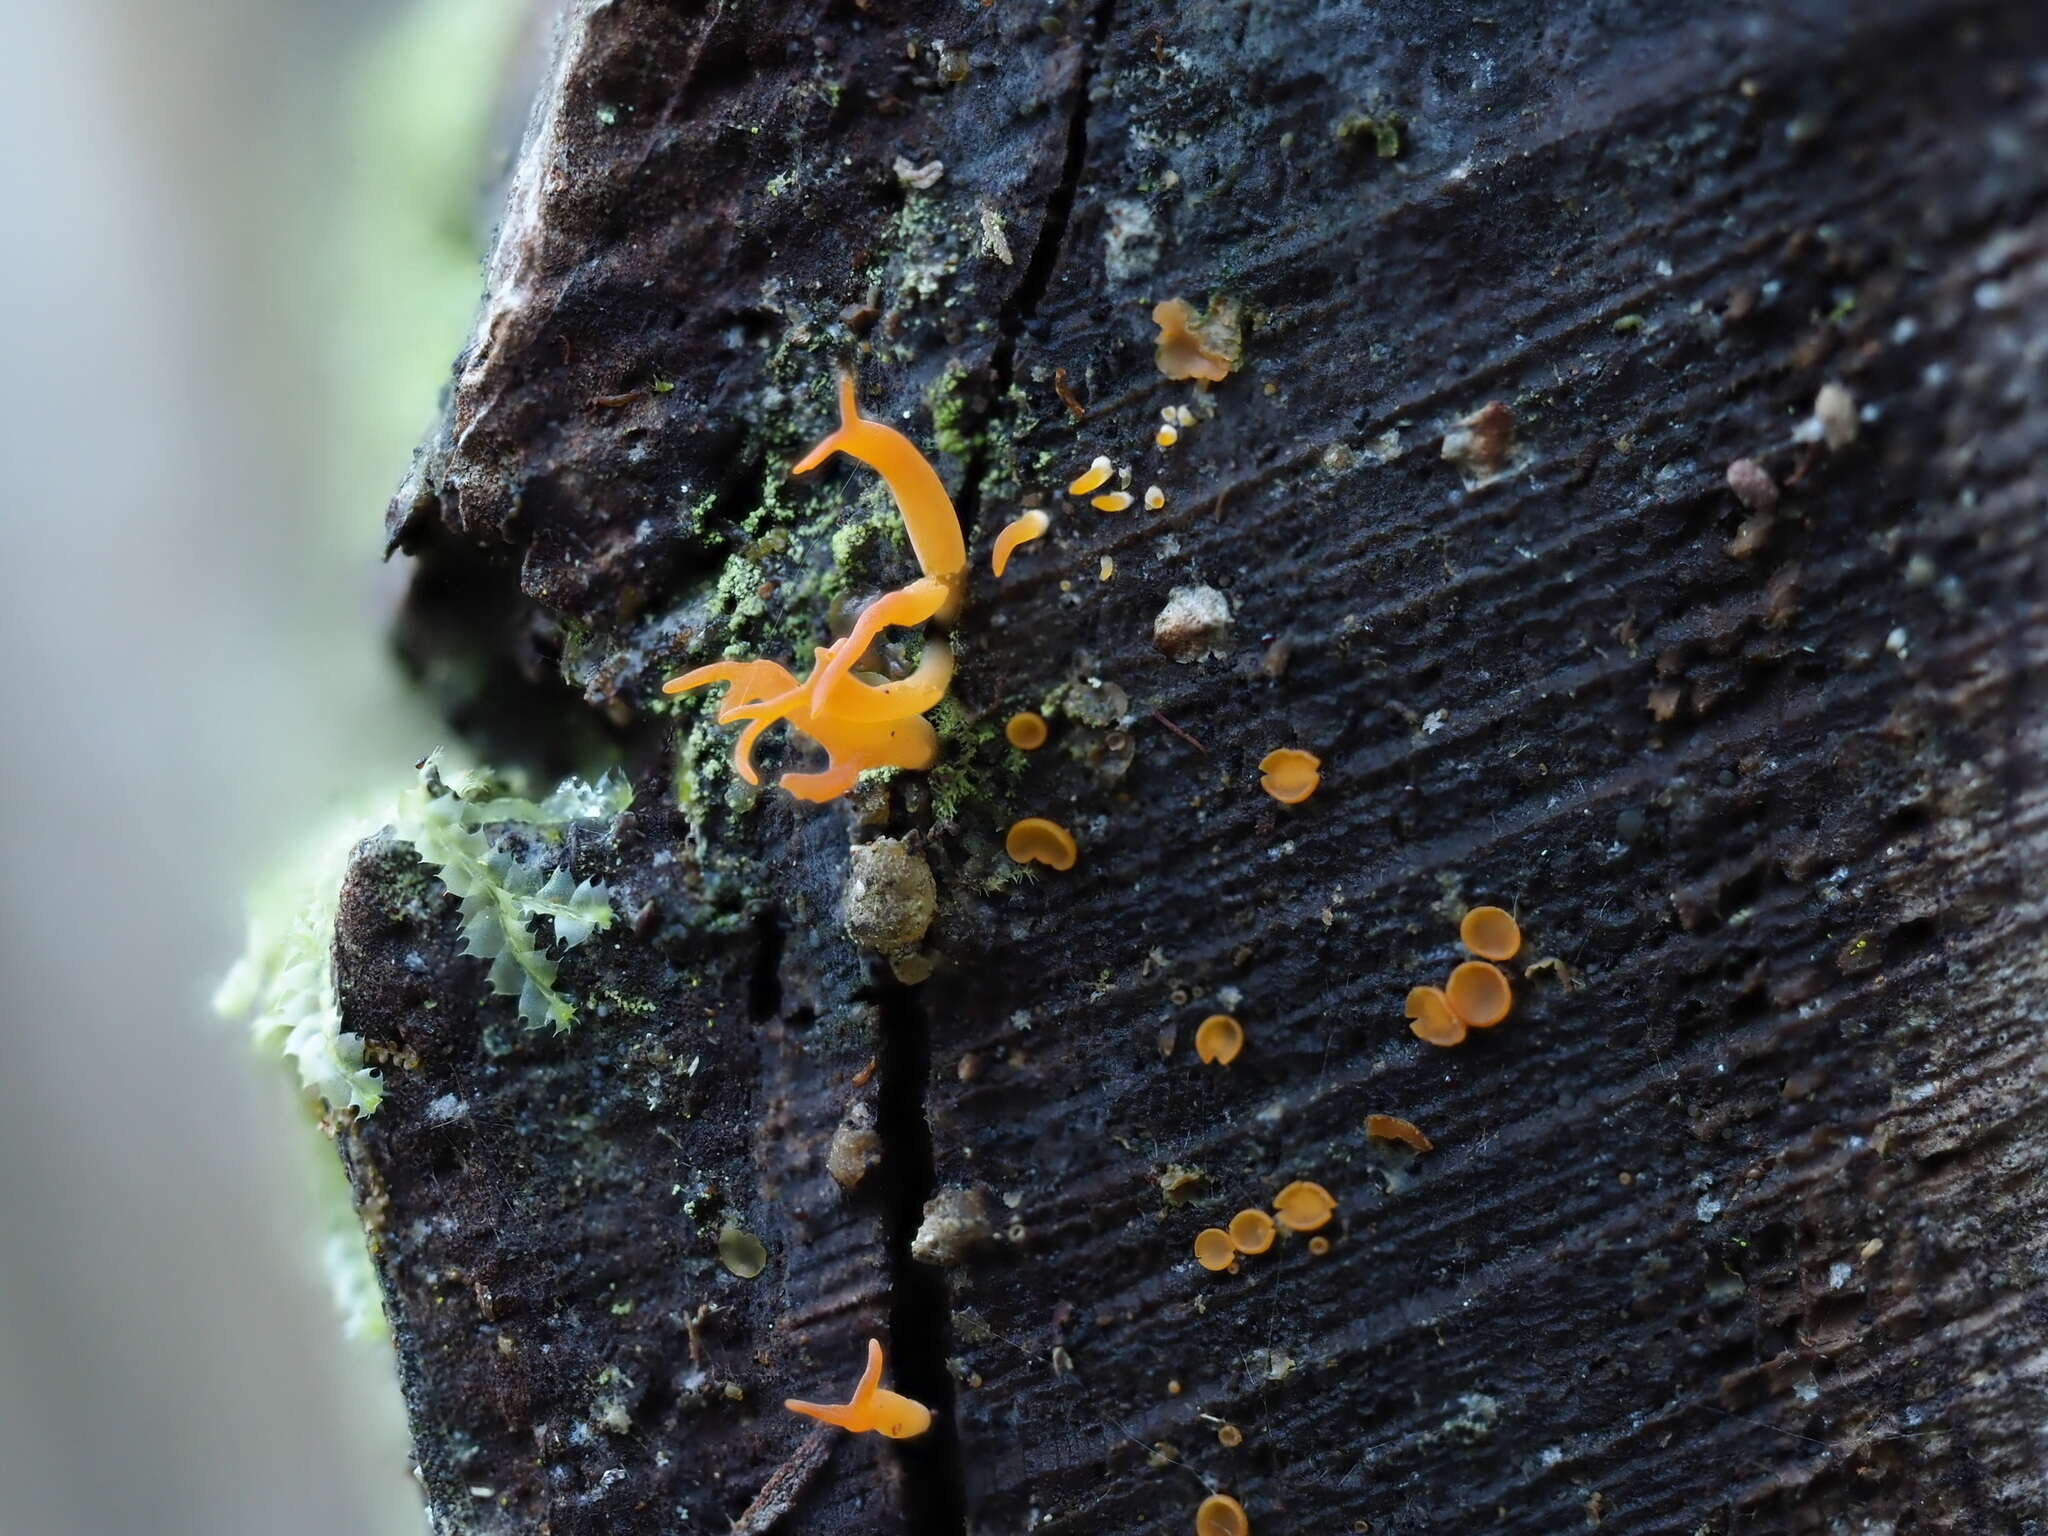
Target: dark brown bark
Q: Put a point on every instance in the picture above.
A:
(1735, 1226)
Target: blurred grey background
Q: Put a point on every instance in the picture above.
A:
(241, 250)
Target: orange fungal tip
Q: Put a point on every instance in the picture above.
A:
(1093, 478)
(1221, 1515)
(1252, 1231)
(1394, 1128)
(1025, 731)
(1432, 1018)
(1290, 775)
(1111, 501)
(1045, 842)
(1478, 994)
(1155, 498)
(1218, 1039)
(872, 1406)
(1214, 1250)
(1023, 530)
(1167, 435)
(1490, 933)
(1304, 1206)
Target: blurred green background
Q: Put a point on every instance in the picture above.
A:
(243, 249)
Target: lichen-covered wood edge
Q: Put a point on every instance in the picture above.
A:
(1735, 1226)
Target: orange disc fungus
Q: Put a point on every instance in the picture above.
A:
(1214, 1250)
(1192, 347)
(1290, 775)
(1229, 1436)
(1093, 478)
(1303, 1206)
(1111, 501)
(1490, 933)
(1319, 1246)
(1046, 841)
(1167, 435)
(1394, 1128)
(1478, 994)
(1218, 1039)
(1026, 528)
(860, 723)
(872, 1406)
(1433, 1019)
(1252, 1231)
(1025, 731)
(1221, 1515)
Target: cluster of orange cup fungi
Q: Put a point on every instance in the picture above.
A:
(873, 1407)
(1476, 995)
(1302, 1207)
(860, 723)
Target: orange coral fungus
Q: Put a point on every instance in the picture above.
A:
(1304, 1206)
(1251, 1231)
(1191, 347)
(1221, 1515)
(1490, 933)
(1478, 994)
(1433, 1019)
(1394, 1128)
(1093, 478)
(1025, 731)
(1214, 1250)
(1026, 528)
(1218, 1039)
(1290, 775)
(860, 724)
(1046, 841)
(872, 1406)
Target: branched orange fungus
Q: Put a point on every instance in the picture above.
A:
(1025, 731)
(1030, 526)
(1290, 775)
(1218, 1039)
(1221, 1515)
(1490, 933)
(1251, 1231)
(872, 1406)
(860, 723)
(1394, 1128)
(1478, 994)
(1045, 841)
(1304, 1206)
(1214, 1250)
(1432, 1018)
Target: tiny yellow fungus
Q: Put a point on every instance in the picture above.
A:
(1191, 347)
(742, 1253)
(1025, 731)
(1252, 1231)
(1111, 501)
(1304, 1206)
(1229, 1436)
(1319, 1246)
(1046, 841)
(1221, 1515)
(1167, 435)
(1214, 1250)
(1183, 417)
(1155, 498)
(872, 1406)
(1093, 478)
(1290, 775)
(1478, 994)
(1394, 1128)
(1490, 933)
(1030, 526)
(1218, 1039)
(1433, 1019)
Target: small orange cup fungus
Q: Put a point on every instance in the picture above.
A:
(1290, 775)
(1394, 1128)
(1218, 1039)
(1490, 933)
(1025, 731)
(1030, 526)
(1319, 1246)
(1221, 1515)
(1112, 501)
(1304, 1206)
(1214, 1250)
(1252, 1231)
(1432, 1017)
(1478, 994)
(1045, 841)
